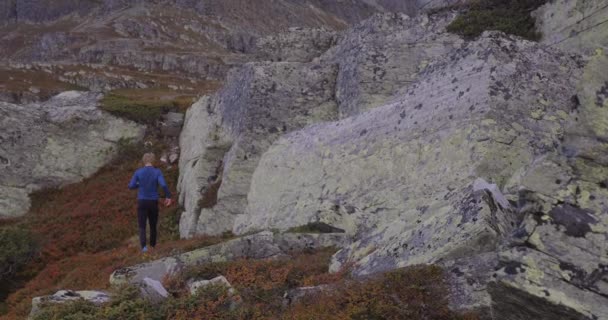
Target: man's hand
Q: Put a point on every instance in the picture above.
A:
(168, 202)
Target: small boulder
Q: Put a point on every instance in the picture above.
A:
(194, 286)
(63, 296)
(293, 296)
(153, 290)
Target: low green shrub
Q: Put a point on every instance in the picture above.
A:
(17, 248)
(315, 227)
(509, 16)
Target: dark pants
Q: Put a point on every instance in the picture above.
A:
(147, 210)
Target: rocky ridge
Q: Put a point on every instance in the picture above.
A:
(176, 44)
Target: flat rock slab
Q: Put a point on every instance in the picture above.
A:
(257, 246)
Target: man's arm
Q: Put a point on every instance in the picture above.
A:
(134, 184)
(163, 184)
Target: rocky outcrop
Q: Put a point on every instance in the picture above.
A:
(579, 26)
(408, 180)
(262, 245)
(63, 296)
(225, 135)
(46, 145)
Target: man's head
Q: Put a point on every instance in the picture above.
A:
(148, 159)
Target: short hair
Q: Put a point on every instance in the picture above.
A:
(148, 158)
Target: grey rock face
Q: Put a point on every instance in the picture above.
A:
(63, 296)
(578, 26)
(410, 167)
(262, 102)
(225, 135)
(45, 145)
(384, 54)
(556, 268)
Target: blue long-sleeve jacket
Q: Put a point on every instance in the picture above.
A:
(147, 180)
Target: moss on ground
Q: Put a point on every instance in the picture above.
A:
(509, 16)
(315, 227)
(144, 105)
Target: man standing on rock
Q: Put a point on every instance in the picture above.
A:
(147, 180)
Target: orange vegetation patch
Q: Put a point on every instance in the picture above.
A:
(259, 283)
(418, 292)
(87, 230)
(90, 271)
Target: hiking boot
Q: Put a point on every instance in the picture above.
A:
(144, 249)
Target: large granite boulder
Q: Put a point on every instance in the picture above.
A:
(45, 145)
(498, 147)
(393, 175)
(579, 26)
(225, 135)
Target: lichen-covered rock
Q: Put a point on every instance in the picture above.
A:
(63, 140)
(558, 266)
(578, 26)
(63, 296)
(498, 147)
(225, 135)
(384, 54)
(397, 174)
